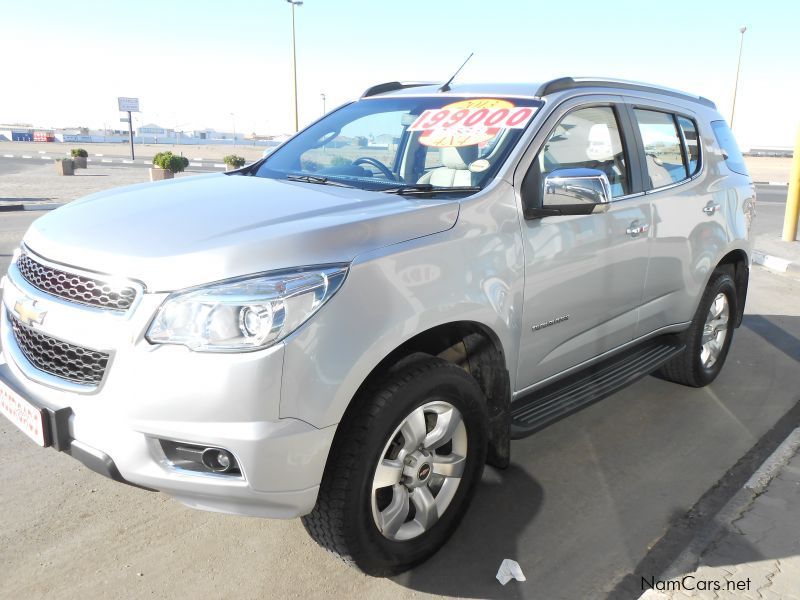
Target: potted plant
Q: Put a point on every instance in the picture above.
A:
(166, 164)
(79, 157)
(65, 166)
(232, 162)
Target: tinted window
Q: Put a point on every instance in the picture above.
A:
(726, 141)
(588, 138)
(662, 147)
(689, 130)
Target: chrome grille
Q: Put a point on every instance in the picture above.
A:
(58, 358)
(75, 288)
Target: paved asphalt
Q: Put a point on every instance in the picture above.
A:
(580, 507)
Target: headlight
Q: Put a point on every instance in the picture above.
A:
(246, 313)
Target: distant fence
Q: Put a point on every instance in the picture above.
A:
(150, 139)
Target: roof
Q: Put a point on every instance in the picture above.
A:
(526, 90)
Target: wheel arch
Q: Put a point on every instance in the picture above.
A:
(472, 346)
(738, 264)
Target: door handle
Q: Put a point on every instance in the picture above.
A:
(634, 229)
(710, 208)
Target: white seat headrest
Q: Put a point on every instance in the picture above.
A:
(458, 158)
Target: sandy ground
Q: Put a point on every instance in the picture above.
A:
(766, 168)
(194, 152)
(41, 184)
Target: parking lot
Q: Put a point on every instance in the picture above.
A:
(580, 508)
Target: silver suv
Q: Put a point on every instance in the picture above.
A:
(348, 329)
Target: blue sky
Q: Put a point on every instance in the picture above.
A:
(194, 63)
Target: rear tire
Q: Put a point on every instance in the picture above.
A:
(708, 338)
(402, 468)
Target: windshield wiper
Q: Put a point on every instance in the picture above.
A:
(423, 189)
(317, 179)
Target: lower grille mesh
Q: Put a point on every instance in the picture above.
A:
(60, 359)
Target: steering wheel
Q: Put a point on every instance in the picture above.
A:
(377, 164)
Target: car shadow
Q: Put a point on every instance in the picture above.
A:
(615, 492)
(506, 501)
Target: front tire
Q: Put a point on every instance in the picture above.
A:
(708, 338)
(402, 468)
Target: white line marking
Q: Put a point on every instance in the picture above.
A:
(201, 158)
(106, 160)
(26, 156)
(195, 164)
(45, 157)
(127, 162)
(98, 155)
(147, 162)
(219, 165)
(42, 151)
(88, 160)
(8, 156)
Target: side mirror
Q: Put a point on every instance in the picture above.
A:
(573, 192)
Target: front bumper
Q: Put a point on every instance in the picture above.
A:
(152, 393)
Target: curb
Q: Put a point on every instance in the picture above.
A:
(775, 263)
(783, 183)
(18, 206)
(688, 560)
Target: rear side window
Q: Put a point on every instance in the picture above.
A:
(689, 132)
(733, 156)
(664, 155)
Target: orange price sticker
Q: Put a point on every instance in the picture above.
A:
(469, 122)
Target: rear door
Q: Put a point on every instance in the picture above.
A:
(688, 207)
(584, 274)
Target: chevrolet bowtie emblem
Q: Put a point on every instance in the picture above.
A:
(27, 312)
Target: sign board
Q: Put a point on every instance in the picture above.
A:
(128, 104)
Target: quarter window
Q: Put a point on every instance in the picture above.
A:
(662, 147)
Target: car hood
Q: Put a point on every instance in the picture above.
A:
(194, 230)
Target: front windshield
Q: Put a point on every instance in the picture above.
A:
(433, 142)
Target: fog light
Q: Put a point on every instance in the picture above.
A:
(219, 461)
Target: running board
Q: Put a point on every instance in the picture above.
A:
(555, 401)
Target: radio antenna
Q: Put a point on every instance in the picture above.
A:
(446, 86)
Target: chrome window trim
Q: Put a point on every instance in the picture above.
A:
(677, 183)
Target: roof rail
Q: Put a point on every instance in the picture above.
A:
(569, 83)
(391, 86)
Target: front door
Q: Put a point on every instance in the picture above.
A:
(584, 274)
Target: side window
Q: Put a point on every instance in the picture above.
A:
(733, 156)
(689, 131)
(662, 147)
(588, 138)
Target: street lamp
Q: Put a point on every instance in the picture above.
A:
(294, 62)
(738, 64)
(323, 103)
(233, 117)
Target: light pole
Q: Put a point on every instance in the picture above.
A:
(738, 64)
(294, 62)
(323, 103)
(233, 117)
